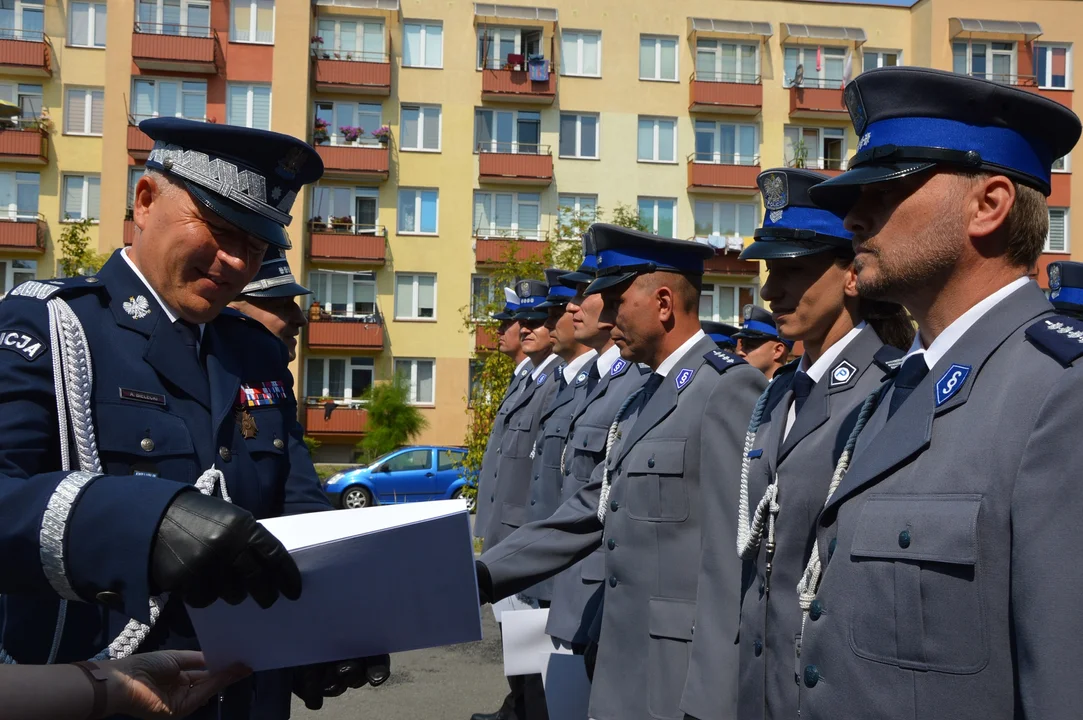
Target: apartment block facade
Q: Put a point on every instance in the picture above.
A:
(448, 128)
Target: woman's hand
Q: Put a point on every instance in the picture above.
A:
(168, 683)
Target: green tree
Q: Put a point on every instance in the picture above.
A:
(392, 420)
(76, 256)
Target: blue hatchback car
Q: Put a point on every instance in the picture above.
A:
(411, 474)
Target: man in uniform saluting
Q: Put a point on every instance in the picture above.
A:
(146, 427)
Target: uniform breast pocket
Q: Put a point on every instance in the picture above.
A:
(141, 440)
(521, 435)
(654, 481)
(670, 624)
(916, 561)
(586, 448)
(552, 443)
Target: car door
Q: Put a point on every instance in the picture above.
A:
(406, 477)
(449, 464)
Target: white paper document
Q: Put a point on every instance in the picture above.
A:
(526, 646)
(512, 602)
(374, 580)
(567, 689)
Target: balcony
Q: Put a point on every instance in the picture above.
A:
(344, 421)
(139, 143)
(818, 102)
(496, 251)
(515, 164)
(355, 162)
(347, 243)
(725, 93)
(1060, 190)
(728, 262)
(27, 144)
(22, 232)
(24, 52)
(707, 176)
(484, 339)
(175, 48)
(354, 73)
(502, 82)
(130, 229)
(336, 332)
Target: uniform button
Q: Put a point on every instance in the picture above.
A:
(831, 547)
(650, 461)
(904, 539)
(224, 453)
(279, 444)
(611, 544)
(815, 610)
(757, 648)
(584, 442)
(535, 478)
(492, 498)
(612, 581)
(613, 505)
(110, 599)
(498, 451)
(812, 676)
(763, 588)
(147, 444)
(533, 501)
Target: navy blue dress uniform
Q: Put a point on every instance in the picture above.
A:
(1066, 286)
(948, 578)
(757, 324)
(721, 333)
(643, 503)
(82, 504)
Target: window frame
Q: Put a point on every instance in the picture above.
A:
(412, 379)
(989, 54)
(879, 53)
(516, 203)
(92, 24)
(579, 135)
(421, 127)
(249, 102)
(514, 145)
(656, 148)
(335, 47)
(1067, 47)
(351, 363)
(716, 140)
(656, 199)
(418, 191)
(1067, 232)
(716, 50)
(658, 57)
(820, 136)
(416, 290)
(180, 81)
(204, 31)
(334, 138)
(18, 97)
(564, 64)
(712, 289)
(355, 192)
(353, 278)
(88, 111)
(84, 211)
(822, 81)
(425, 24)
(576, 208)
(19, 214)
(7, 277)
(716, 214)
(489, 300)
(497, 31)
(1067, 164)
(252, 7)
(19, 32)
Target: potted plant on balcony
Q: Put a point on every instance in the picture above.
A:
(316, 224)
(341, 224)
(383, 134)
(350, 133)
(317, 44)
(319, 131)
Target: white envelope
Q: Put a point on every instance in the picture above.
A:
(509, 603)
(526, 646)
(567, 689)
(375, 580)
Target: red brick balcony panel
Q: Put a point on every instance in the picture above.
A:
(729, 97)
(23, 234)
(1061, 186)
(348, 247)
(484, 339)
(139, 143)
(817, 102)
(24, 145)
(351, 76)
(1064, 97)
(130, 232)
(729, 263)
(346, 335)
(344, 421)
(174, 48)
(29, 56)
(522, 168)
(516, 86)
(368, 161)
(718, 177)
(496, 250)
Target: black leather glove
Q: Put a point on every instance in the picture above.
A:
(589, 658)
(485, 583)
(313, 683)
(207, 548)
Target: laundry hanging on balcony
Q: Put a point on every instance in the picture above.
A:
(538, 68)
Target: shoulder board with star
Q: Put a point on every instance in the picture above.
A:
(888, 358)
(722, 361)
(59, 287)
(1059, 336)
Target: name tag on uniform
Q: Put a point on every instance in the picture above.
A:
(259, 394)
(141, 396)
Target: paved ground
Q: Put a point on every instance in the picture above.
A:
(448, 683)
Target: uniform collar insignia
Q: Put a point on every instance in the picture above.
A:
(842, 373)
(683, 377)
(541, 378)
(950, 383)
(581, 379)
(137, 307)
(618, 367)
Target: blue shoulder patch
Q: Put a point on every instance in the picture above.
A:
(1059, 336)
(23, 343)
(619, 366)
(721, 360)
(44, 289)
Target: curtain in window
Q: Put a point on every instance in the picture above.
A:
(404, 296)
(261, 108)
(590, 54)
(314, 378)
(75, 122)
(411, 46)
(97, 110)
(73, 197)
(372, 42)
(434, 35)
(426, 296)
(407, 211)
(80, 24)
(431, 128)
(143, 99)
(265, 21)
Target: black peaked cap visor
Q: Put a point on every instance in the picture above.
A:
(604, 282)
(841, 192)
(774, 248)
(252, 223)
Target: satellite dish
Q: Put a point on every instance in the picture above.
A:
(799, 76)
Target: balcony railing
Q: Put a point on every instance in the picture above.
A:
(354, 72)
(814, 83)
(26, 144)
(25, 52)
(139, 143)
(175, 47)
(515, 163)
(494, 251)
(734, 93)
(816, 102)
(347, 242)
(22, 231)
(341, 332)
(708, 173)
(485, 338)
(355, 161)
(343, 420)
(504, 81)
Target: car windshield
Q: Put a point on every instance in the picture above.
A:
(382, 459)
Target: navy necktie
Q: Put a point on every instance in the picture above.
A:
(653, 383)
(910, 374)
(563, 383)
(189, 334)
(593, 377)
(802, 387)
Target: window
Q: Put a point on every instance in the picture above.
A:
(1057, 239)
(344, 294)
(657, 57)
(346, 209)
(360, 39)
(727, 61)
(496, 43)
(726, 143)
(343, 379)
(338, 115)
(815, 148)
(1063, 164)
(723, 303)
(419, 377)
(423, 44)
(474, 381)
(175, 17)
(507, 215)
(821, 67)
(872, 59)
(82, 197)
(578, 136)
(22, 20)
(482, 296)
(26, 97)
(410, 460)
(84, 111)
(418, 211)
(575, 210)
(581, 53)
(989, 60)
(87, 24)
(250, 106)
(19, 195)
(16, 272)
(449, 459)
(415, 296)
(252, 21)
(1052, 66)
(420, 128)
(725, 218)
(507, 131)
(134, 173)
(169, 98)
(659, 215)
(657, 139)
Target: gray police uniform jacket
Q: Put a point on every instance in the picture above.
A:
(770, 617)
(577, 591)
(693, 425)
(487, 476)
(950, 550)
(511, 493)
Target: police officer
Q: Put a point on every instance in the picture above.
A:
(943, 581)
(270, 299)
(146, 427)
(643, 504)
(1066, 287)
(759, 343)
(722, 334)
(813, 298)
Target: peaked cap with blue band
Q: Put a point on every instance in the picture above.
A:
(758, 324)
(532, 293)
(511, 305)
(559, 294)
(274, 279)
(911, 119)
(588, 269)
(721, 333)
(794, 226)
(623, 254)
(1066, 286)
(249, 178)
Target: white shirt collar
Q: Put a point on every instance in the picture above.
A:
(607, 359)
(523, 364)
(572, 368)
(544, 364)
(165, 308)
(827, 359)
(951, 334)
(676, 355)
